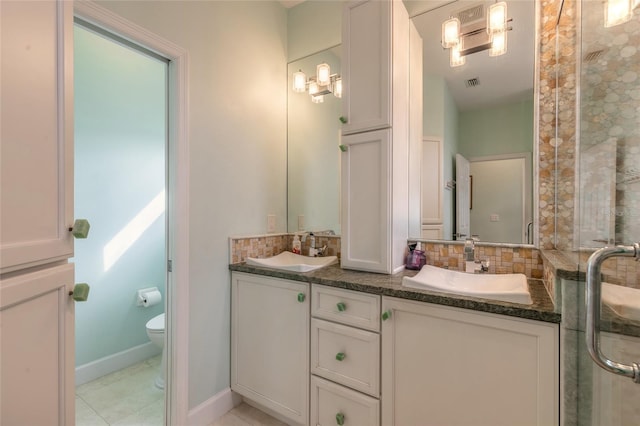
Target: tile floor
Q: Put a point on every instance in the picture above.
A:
(129, 398)
(125, 397)
(246, 415)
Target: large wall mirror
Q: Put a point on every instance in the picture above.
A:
(483, 111)
(313, 154)
(482, 114)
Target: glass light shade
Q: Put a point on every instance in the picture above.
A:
(450, 33)
(323, 72)
(299, 81)
(317, 99)
(313, 87)
(337, 88)
(498, 44)
(455, 59)
(617, 12)
(497, 18)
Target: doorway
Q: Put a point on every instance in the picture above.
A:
(121, 134)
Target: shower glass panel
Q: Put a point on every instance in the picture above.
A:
(608, 206)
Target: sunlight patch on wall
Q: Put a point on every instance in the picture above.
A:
(128, 235)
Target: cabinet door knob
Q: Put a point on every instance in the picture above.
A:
(341, 356)
(341, 306)
(386, 315)
(301, 297)
(340, 419)
(80, 292)
(80, 228)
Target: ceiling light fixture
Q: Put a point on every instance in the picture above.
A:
(618, 12)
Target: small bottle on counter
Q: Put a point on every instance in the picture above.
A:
(296, 246)
(416, 258)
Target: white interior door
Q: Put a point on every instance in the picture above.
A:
(463, 197)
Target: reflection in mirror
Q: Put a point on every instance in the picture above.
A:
(313, 151)
(483, 111)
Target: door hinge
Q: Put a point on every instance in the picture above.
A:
(170, 265)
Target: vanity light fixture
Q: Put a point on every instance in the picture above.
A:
(299, 81)
(323, 71)
(498, 44)
(618, 12)
(455, 58)
(451, 33)
(476, 29)
(322, 84)
(497, 18)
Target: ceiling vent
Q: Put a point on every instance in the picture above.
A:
(593, 56)
(473, 82)
(471, 15)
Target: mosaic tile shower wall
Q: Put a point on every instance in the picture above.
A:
(610, 113)
(557, 124)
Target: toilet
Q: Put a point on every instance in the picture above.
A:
(155, 331)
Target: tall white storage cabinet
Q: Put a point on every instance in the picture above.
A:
(375, 140)
(36, 168)
(36, 210)
(270, 344)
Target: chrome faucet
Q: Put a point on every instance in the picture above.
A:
(470, 255)
(313, 252)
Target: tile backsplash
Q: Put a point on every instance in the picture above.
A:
(503, 258)
(272, 244)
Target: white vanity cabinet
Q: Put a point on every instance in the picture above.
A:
(374, 175)
(443, 365)
(270, 344)
(345, 357)
(36, 149)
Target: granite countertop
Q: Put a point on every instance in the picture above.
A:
(542, 308)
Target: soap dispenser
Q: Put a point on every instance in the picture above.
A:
(296, 246)
(416, 258)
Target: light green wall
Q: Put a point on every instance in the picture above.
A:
(312, 26)
(120, 122)
(504, 129)
(237, 52)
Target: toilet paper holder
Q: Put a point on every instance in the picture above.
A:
(142, 295)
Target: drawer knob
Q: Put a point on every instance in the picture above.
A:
(301, 297)
(341, 306)
(386, 315)
(340, 419)
(341, 356)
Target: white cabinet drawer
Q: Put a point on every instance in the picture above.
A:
(346, 306)
(333, 404)
(346, 355)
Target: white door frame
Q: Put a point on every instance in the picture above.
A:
(177, 335)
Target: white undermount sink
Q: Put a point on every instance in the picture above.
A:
(504, 287)
(288, 261)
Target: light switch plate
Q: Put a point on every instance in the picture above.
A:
(300, 222)
(494, 218)
(271, 223)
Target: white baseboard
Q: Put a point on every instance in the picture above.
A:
(213, 408)
(98, 368)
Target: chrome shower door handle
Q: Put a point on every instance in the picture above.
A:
(594, 297)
